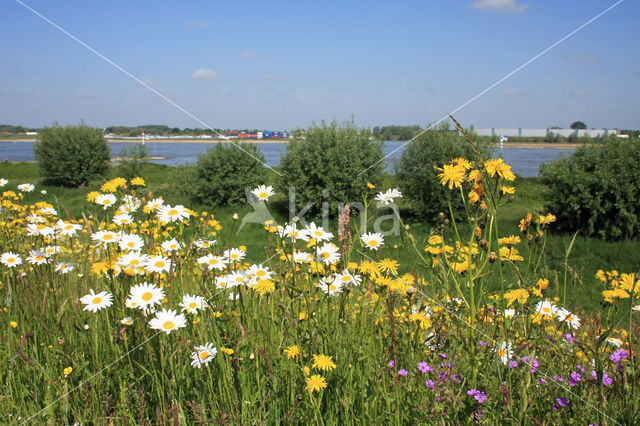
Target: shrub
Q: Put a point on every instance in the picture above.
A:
(132, 158)
(224, 172)
(417, 174)
(331, 164)
(595, 189)
(72, 155)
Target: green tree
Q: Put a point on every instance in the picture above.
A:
(578, 125)
(332, 164)
(73, 155)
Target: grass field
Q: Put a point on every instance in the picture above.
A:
(439, 324)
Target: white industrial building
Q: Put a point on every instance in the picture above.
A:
(496, 131)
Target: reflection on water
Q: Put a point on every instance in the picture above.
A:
(524, 161)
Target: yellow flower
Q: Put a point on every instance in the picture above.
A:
(509, 241)
(302, 316)
(316, 383)
(263, 287)
(13, 324)
(388, 265)
(227, 351)
(507, 189)
(91, 197)
(99, 268)
(498, 167)
(323, 362)
(452, 175)
(510, 254)
(67, 371)
(370, 185)
(292, 352)
(435, 240)
(521, 295)
(306, 370)
(543, 283)
(137, 181)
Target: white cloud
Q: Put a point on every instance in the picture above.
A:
(273, 77)
(205, 74)
(197, 25)
(500, 5)
(579, 92)
(251, 54)
(584, 58)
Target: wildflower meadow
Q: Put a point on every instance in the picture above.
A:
(138, 312)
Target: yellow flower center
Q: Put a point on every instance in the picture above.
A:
(131, 244)
(261, 273)
(204, 355)
(147, 296)
(501, 353)
(134, 262)
(168, 325)
(346, 278)
(39, 258)
(263, 195)
(213, 262)
(173, 212)
(325, 254)
(107, 237)
(159, 264)
(96, 300)
(373, 243)
(318, 233)
(193, 305)
(11, 259)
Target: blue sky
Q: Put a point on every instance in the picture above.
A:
(284, 65)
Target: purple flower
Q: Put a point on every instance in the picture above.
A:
(525, 359)
(424, 368)
(576, 376)
(534, 365)
(513, 363)
(392, 364)
(558, 378)
(569, 338)
(478, 395)
(618, 356)
(594, 375)
(457, 378)
(443, 356)
(482, 343)
(579, 367)
(563, 402)
(430, 384)
(542, 380)
(606, 380)
(402, 372)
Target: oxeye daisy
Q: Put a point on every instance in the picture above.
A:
(131, 242)
(347, 278)
(302, 257)
(158, 264)
(171, 245)
(26, 187)
(262, 193)
(567, 317)
(191, 304)
(66, 228)
(328, 254)
(177, 213)
(105, 237)
(64, 267)
(154, 204)
(168, 321)
(387, 198)
(106, 200)
(39, 229)
(504, 352)
(203, 355)
(546, 308)
(203, 244)
(3, 182)
(260, 272)
(213, 262)
(51, 250)
(134, 261)
(330, 286)
(372, 240)
(234, 255)
(145, 295)
(122, 219)
(10, 259)
(323, 362)
(37, 257)
(318, 233)
(94, 302)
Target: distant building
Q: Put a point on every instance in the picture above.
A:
(520, 132)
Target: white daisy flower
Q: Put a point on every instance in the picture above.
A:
(168, 321)
(177, 213)
(39, 229)
(129, 204)
(191, 304)
(223, 281)
(302, 257)
(372, 240)
(260, 272)
(10, 259)
(158, 264)
(330, 285)
(48, 211)
(236, 278)
(67, 229)
(106, 200)
(34, 218)
(3, 182)
(146, 295)
(133, 260)
(567, 317)
(122, 219)
(105, 237)
(613, 341)
(51, 250)
(262, 193)
(386, 198)
(347, 278)
(546, 308)
(328, 254)
(203, 244)
(131, 242)
(171, 245)
(37, 257)
(318, 233)
(291, 231)
(636, 308)
(155, 204)
(64, 267)
(504, 352)
(234, 255)
(26, 187)
(203, 355)
(213, 262)
(94, 302)
(126, 321)
(509, 313)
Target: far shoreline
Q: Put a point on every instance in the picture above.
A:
(518, 145)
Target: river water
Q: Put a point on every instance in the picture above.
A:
(524, 162)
